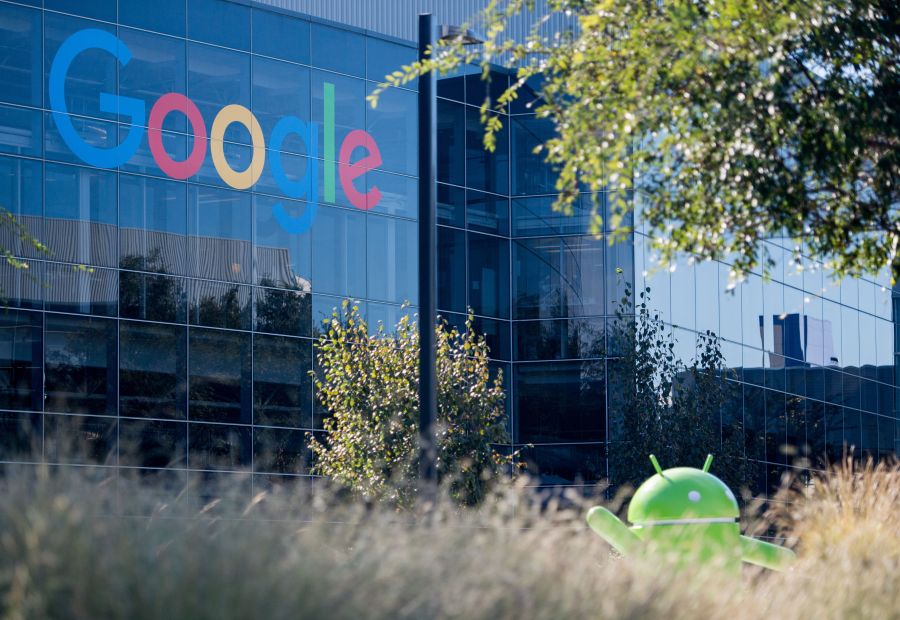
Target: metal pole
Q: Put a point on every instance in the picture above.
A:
(427, 263)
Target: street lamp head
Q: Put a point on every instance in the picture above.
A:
(450, 34)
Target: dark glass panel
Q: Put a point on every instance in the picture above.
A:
(220, 225)
(79, 439)
(151, 443)
(21, 357)
(219, 371)
(497, 335)
(96, 9)
(566, 464)
(776, 427)
(20, 436)
(619, 275)
(451, 205)
(152, 298)
(152, 224)
(815, 382)
(559, 339)
(851, 390)
(282, 387)
(22, 287)
(561, 401)
(283, 312)
(391, 248)
(80, 215)
(489, 275)
(796, 379)
(280, 36)
(21, 131)
(217, 78)
(384, 57)
(477, 88)
(217, 304)
(452, 85)
(21, 193)
(536, 217)
(531, 174)
(852, 432)
(815, 431)
(280, 89)
(393, 124)
(834, 433)
(338, 50)
(220, 22)
(754, 422)
(528, 99)
(487, 213)
(868, 443)
(339, 252)
(283, 259)
(559, 277)
(888, 439)
(486, 170)
(152, 370)
(451, 259)
(21, 46)
(868, 395)
(219, 446)
(795, 428)
(166, 16)
(280, 451)
(70, 288)
(155, 69)
(451, 142)
(81, 365)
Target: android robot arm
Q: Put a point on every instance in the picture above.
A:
(765, 554)
(612, 530)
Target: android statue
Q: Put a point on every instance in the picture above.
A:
(690, 514)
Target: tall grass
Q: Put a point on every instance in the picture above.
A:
(63, 555)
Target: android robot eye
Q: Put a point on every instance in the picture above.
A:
(694, 496)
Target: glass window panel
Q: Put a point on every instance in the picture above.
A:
(529, 98)
(80, 439)
(752, 313)
(85, 291)
(217, 493)
(280, 451)
(157, 67)
(834, 433)
(815, 431)
(392, 259)
(883, 302)
(21, 43)
(559, 339)
(152, 443)
(619, 273)
(220, 22)
(80, 214)
(888, 443)
(21, 358)
(21, 131)
(560, 401)
(295, 168)
(142, 162)
(219, 446)
(884, 343)
(96, 9)
(388, 315)
(98, 133)
(81, 366)
(709, 291)
(20, 436)
(488, 275)
(559, 277)
(487, 213)
(217, 304)
(238, 156)
(339, 252)
(280, 89)
(152, 370)
(152, 224)
(850, 339)
(535, 217)
(867, 342)
(486, 170)
(832, 331)
(21, 193)
(477, 88)
(393, 124)
(850, 292)
(776, 431)
(497, 335)
(166, 16)
(530, 172)
(851, 390)
(566, 464)
(868, 435)
(92, 72)
(219, 222)
(216, 78)
(384, 57)
(280, 36)
(399, 194)
(152, 297)
(349, 108)
(773, 309)
(283, 312)
(324, 306)
(219, 371)
(282, 387)
(22, 287)
(451, 258)
(451, 205)
(452, 84)
(451, 142)
(283, 258)
(338, 49)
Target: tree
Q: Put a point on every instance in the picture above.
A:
(668, 407)
(368, 383)
(736, 120)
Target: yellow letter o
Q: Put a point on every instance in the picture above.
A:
(237, 114)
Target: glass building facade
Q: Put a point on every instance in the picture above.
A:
(211, 183)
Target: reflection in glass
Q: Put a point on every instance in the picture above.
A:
(152, 443)
(391, 246)
(219, 371)
(152, 224)
(488, 275)
(487, 213)
(451, 259)
(80, 439)
(282, 387)
(21, 131)
(531, 174)
(282, 312)
(561, 401)
(21, 46)
(486, 170)
(282, 451)
(152, 297)
(451, 142)
(21, 359)
(281, 36)
(217, 304)
(81, 366)
(338, 49)
(339, 252)
(70, 288)
(219, 223)
(152, 370)
(218, 446)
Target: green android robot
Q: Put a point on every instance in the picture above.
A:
(691, 515)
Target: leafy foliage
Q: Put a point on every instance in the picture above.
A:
(368, 383)
(665, 406)
(18, 236)
(736, 119)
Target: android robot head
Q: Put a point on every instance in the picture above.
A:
(688, 515)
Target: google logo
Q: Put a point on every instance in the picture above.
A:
(304, 187)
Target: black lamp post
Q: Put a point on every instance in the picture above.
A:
(428, 248)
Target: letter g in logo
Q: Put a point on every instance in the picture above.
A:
(93, 38)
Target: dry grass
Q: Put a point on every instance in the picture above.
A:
(63, 556)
